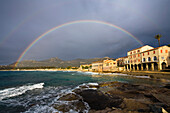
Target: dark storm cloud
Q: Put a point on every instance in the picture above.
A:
(29, 19)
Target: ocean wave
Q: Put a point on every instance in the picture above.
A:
(47, 100)
(11, 92)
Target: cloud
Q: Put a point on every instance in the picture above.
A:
(143, 19)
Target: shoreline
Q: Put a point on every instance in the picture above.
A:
(151, 74)
(120, 97)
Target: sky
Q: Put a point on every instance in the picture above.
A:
(23, 21)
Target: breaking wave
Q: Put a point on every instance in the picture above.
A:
(11, 92)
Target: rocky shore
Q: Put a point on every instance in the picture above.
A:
(116, 97)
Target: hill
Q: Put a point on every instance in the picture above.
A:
(55, 62)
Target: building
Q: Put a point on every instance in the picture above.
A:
(156, 59)
(134, 57)
(97, 66)
(121, 62)
(107, 65)
(148, 58)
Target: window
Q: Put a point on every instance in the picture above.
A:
(166, 51)
(131, 56)
(161, 51)
(149, 59)
(148, 53)
(138, 50)
(130, 52)
(134, 52)
(162, 58)
(143, 54)
(134, 56)
(143, 59)
(138, 60)
(134, 60)
(107, 64)
(138, 55)
(154, 58)
(153, 52)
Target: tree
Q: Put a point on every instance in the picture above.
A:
(86, 67)
(69, 67)
(158, 38)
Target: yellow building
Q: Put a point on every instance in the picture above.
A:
(97, 66)
(109, 65)
(156, 59)
(148, 58)
(104, 66)
(134, 57)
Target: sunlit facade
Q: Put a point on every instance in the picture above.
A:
(148, 58)
(104, 66)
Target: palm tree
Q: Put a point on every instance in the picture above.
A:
(158, 38)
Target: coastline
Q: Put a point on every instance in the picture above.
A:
(116, 97)
(150, 74)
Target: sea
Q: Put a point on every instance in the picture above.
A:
(39, 91)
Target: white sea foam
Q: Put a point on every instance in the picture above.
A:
(93, 84)
(141, 76)
(11, 92)
(88, 73)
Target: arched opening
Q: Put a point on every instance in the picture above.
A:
(155, 58)
(149, 66)
(125, 67)
(163, 65)
(135, 67)
(155, 66)
(139, 66)
(128, 67)
(131, 67)
(144, 67)
(149, 59)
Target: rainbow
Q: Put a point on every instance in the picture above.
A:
(71, 23)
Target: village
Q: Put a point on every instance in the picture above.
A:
(145, 58)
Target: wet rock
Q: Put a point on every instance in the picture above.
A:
(69, 97)
(167, 86)
(133, 105)
(106, 110)
(98, 101)
(77, 106)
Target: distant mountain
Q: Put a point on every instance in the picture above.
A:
(56, 62)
